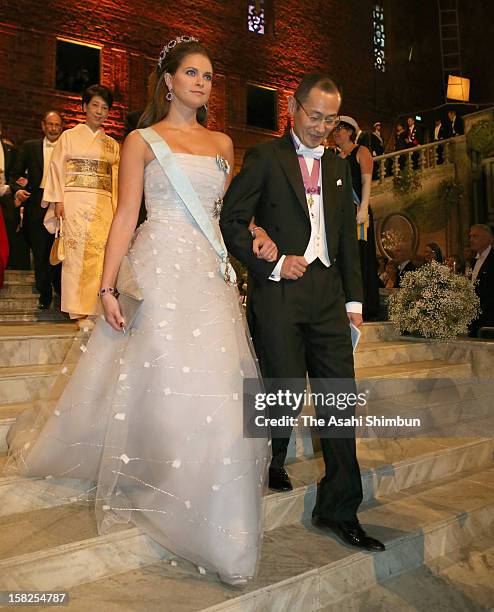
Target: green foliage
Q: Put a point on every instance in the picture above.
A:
(480, 138)
(450, 193)
(427, 212)
(407, 182)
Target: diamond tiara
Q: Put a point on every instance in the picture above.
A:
(173, 43)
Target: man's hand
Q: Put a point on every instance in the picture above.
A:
(294, 267)
(264, 247)
(355, 318)
(22, 195)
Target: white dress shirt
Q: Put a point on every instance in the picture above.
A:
(48, 148)
(317, 248)
(480, 258)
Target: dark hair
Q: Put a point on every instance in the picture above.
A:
(97, 90)
(52, 112)
(349, 128)
(436, 249)
(317, 79)
(157, 106)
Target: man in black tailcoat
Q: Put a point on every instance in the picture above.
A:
(455, 125)
(19, 253)
(31, 172)
(300, 304)
(481, 239)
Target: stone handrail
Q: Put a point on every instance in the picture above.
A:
(416, 158)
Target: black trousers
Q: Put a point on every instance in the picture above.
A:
(47, 277)
(301, 327)
(18, 248)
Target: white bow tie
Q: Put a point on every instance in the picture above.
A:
(315, 153)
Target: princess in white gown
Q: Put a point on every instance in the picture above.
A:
(154, 415)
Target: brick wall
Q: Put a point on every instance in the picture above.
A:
(308, 35)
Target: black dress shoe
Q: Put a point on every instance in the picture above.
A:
(279, 480)
(351, 533)
(44, 305)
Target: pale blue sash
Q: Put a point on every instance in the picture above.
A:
(182, 185)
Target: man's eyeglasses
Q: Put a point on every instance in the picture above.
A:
(317, 119)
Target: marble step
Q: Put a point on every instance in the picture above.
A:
(375, 332)
(28, 303)
(26, 383)
(389, 352)
(393, 380)
(460, 581)
(437, 409)
(301, 567)
(21, 316)
(387, 466)
(35, 344)
(26, 276)
(17, 287)
(456, 404)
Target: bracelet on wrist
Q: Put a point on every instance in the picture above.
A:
(104, 290)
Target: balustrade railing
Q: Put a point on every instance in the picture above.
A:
(414, 159)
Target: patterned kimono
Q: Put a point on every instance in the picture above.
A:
(83, 175)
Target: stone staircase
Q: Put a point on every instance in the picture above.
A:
(19, 300)
(429, 498)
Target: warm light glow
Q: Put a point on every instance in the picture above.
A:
(458, 88)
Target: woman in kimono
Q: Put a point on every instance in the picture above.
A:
(82, 190)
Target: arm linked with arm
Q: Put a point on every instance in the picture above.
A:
(239, 208)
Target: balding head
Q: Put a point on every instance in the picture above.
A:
(480, 237)
(402, 253)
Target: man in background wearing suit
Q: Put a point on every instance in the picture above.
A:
(456, 126)
(18, 258)
(481, 239)
(301, 303)
(402, 255)
(32, 170)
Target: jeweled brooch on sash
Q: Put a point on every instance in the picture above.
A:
(223, 164)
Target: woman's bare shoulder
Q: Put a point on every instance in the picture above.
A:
(135, 145)
(223, 142)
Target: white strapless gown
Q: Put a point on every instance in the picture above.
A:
(155, 416)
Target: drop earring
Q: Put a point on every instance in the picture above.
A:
(169, 96)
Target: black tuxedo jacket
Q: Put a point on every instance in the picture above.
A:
(270, 189)
(485, 289)
(410, 267)
(443, 132)
(456, 128)
(29, 165)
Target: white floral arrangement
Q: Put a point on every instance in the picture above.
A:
(391, 238)
(434, 302)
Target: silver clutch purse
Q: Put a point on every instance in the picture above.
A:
(129, 294)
